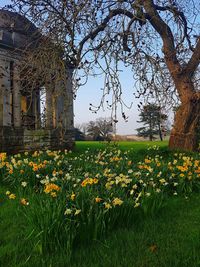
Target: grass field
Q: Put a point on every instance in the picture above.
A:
(170, 238)
(129, 205)
(82, 146)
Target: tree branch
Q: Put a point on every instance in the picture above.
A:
(175, 11)
(166, 34)
(194, 60)
(102, 26)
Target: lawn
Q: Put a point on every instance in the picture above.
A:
(81, 146)
(126, 204)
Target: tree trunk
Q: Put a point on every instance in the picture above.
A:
(150, 128)
(160, 135)
(185, 132)
(160, 131)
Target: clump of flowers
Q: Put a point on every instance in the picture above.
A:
(89, 181)
(99, 188)
(52, 189)
(2, 157)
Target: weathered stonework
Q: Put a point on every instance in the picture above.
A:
(21, 128)
(19, 140)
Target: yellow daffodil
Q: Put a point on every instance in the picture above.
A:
(2, 156)
(68, 212)
(53, 194)
(73, 196)
(98, 199)
(77, 212)
(12, 196)
(137, 204)
(117, 202)
(162, 181)
(51, 187)
(24, 202)
(107, 205)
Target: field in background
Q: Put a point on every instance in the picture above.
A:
(124, 145)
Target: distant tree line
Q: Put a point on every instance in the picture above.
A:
(98, 130)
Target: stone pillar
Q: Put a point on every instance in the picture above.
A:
(16, 97)
(64, 115)
(49, 106)
(69, 111)
(60, 117)
(59, 97)
(1, 94)
(5, 93)
(37, 109)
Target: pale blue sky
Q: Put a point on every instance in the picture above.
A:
(91, 93)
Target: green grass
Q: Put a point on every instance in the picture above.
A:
(139, 149)
(172, 232)
(93, 145)
(175, 232)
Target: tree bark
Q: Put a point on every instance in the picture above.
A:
(160, 132)
(186, 125)
(185, 132)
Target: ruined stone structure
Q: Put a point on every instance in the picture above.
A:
(22, 127)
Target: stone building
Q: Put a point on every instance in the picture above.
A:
(22, 126)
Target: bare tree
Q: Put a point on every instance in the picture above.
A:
(82, 127)
(93, 130)
(105, 126)
(100, 129)
(159, 39)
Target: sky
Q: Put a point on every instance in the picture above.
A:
(91, 93)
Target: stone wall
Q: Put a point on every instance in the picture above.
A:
(47, 139)
(14, 140)
(11, 140)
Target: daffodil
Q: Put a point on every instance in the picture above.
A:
(162, 181)
(68, 212)
(12, 196)
(117, 201)
(53, 194)
(73, 196)
(24, 202)
(77, 212)
(107, 205)
(51, 187)
(98, 199)
(137, 204)
(24, 184)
